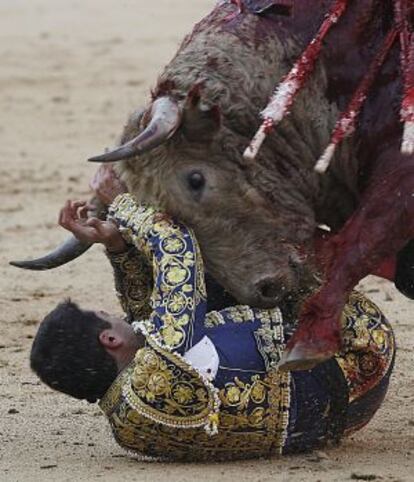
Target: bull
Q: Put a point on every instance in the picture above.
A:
(257, 221)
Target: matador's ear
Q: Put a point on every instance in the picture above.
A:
(110, 339)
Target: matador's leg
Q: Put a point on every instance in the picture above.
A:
(381, 227)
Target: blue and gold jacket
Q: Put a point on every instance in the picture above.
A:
(162, 406)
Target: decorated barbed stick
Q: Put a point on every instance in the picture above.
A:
(346, 124)
(407, 68)
(291, 85)
(407, 111)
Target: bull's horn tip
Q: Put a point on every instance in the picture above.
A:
(95, 159)
(17, 264)
(113, 156)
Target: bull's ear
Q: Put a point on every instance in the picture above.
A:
(201, 121)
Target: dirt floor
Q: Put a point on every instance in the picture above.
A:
(70, 72)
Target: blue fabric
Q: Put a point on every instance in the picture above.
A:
(236, 346)
(319, 407)
(319, 397)
(308, 421)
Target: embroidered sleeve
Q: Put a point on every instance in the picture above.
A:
(179, 297)
(133, 283)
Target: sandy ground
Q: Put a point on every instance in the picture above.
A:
(70, 72)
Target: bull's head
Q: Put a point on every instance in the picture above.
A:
(253, 221)
(250, 220)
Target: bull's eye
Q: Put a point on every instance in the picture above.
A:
(196, 181)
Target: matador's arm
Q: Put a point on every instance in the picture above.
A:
(178, 298)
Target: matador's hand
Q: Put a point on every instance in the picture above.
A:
(74, 218)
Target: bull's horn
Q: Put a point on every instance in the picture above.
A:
(165, 120)
(69, 250)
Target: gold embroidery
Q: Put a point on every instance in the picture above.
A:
(279, 401)
(253, 420)
(369, 345)
(113, 396)
(164, 388)
(270, 336)
(133, 281)
(178, 270)
(159, 418)
(239, 394)
(262, 405)
(237, 314)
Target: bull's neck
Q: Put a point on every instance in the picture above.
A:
(349, 50)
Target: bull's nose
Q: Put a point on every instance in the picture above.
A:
(270, 291)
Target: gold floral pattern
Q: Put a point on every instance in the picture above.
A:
(369, 345)
(240, 394)
(133, 283)
(164, 388)
(253, 418)
(178, 271)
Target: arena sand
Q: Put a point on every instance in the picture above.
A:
(70, 72)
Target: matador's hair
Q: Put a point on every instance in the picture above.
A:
(67, 355)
